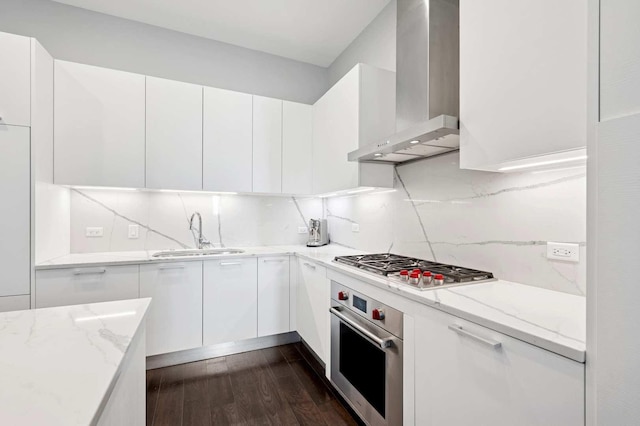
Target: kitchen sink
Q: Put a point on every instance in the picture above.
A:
(197, 252)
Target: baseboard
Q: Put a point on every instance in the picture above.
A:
(223, 349)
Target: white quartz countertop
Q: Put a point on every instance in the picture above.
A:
(549, 319)
(59, 365)
(321, 254)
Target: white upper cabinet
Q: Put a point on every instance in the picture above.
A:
(523, 80)
(619, 59)
(297, 139)
(357, 111)
(174, 135)
(98, 126)
(15, 79)
(227, 140)
(267, 145)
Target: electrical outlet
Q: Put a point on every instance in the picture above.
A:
(302, 230)
(355, 227)
(95, 231)
(563, 251)
(134, 231)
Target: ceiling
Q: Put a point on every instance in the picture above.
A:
(313, 31)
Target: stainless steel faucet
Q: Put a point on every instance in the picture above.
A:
(201, 241)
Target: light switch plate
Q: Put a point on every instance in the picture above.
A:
(134, 231)
(95, 231)
(355, 227)
(563, 251)
(302, 230)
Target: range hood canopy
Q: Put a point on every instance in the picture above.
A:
(427, 84)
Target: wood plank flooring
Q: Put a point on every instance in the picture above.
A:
(274, 386)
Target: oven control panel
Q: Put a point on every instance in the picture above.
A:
(374, 311)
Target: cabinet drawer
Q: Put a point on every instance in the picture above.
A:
(495, 379)
(74, 286)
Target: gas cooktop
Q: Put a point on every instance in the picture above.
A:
(419, 273)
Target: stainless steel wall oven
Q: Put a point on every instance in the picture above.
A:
(366, 355)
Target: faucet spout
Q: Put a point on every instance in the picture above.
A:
(200, 241)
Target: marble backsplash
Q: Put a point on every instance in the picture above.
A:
(163, 219)
(489, 221)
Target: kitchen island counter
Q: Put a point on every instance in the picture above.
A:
(60, 366)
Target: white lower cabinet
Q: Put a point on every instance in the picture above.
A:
(312, 308)
(14, 303)
(467, 374)
(75, 286)
(174, 320)
(230, 300)
(273, 295)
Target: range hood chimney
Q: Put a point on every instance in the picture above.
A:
(427, 84)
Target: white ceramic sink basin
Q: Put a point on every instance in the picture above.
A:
(197, 252)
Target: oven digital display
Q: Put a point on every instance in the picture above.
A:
(360, 304)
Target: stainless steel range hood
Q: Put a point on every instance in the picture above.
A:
(427, 84)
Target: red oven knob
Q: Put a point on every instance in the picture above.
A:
(377, 314)
(343, 295)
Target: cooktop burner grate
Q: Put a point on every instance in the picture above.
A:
(388, 264)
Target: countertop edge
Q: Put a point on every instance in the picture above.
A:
(557, 348)
(116, 376)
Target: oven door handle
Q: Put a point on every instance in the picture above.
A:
(382, 343)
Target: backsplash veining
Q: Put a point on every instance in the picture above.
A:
(163, 219)
(489, 221)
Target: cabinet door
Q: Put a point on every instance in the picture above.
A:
(15, 224)
(61, 287)
(297, 137)
(227, 140)
(174, 320)
(14, 303)
(273, 295)
(98, 126)
(15, 80)
(230, 300)
(335, 134)
(267, 145)
(522, 88)
(174, 135)
(461, 379)
(313, 292)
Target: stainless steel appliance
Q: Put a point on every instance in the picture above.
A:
(419, 273)
(427, 84)
(318, 233)
(366, 355)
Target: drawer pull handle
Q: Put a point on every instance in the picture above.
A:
(461, 331)
(308, 265)
(274, 260)
(89, 271)
(171, 266)
(230, 263)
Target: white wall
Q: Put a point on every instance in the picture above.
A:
(84, 36)
(376, 45)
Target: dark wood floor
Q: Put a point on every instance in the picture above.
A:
(275, 386)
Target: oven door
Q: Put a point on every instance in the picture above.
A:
(366, 367)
